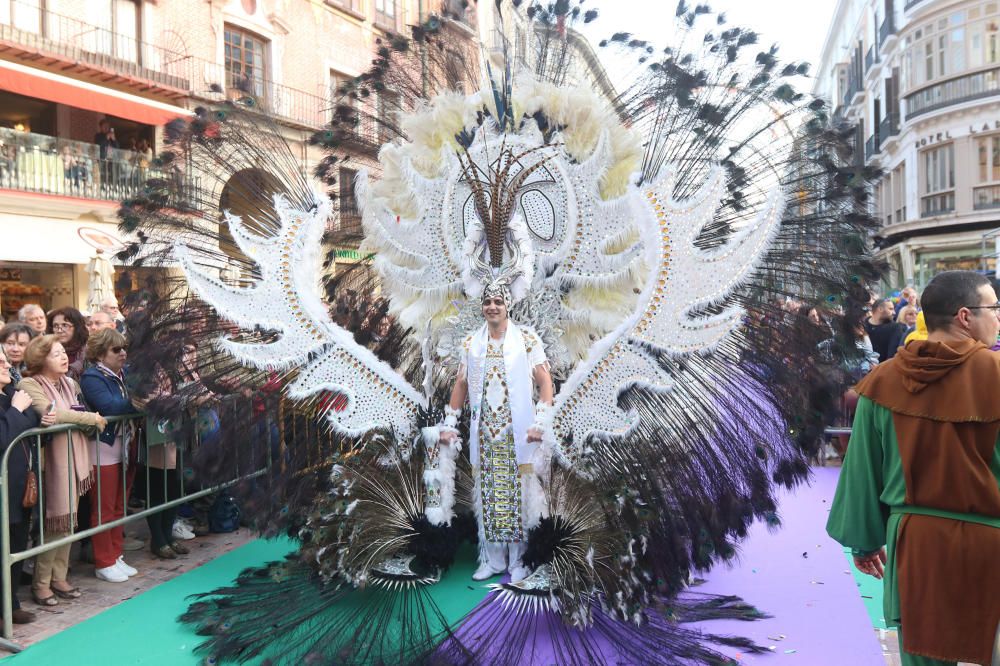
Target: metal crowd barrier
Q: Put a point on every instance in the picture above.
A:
(78, 438)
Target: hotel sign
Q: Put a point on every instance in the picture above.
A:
(948, 135)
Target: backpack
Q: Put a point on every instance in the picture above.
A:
(224, 516)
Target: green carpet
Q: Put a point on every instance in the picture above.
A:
(145, 630)
(870, 590)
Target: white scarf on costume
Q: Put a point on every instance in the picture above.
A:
(519, 388)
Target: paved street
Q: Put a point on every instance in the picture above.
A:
(99, 595)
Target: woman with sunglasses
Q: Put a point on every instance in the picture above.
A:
(105, 391)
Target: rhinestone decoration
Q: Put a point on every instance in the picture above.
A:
(288, 299)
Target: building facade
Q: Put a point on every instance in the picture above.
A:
(67, 65)
(921, 79)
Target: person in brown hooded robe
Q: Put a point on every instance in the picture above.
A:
(918, 499)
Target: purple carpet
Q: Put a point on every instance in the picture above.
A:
(797, 575)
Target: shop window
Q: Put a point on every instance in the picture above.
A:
(938, 180)
(245, 62)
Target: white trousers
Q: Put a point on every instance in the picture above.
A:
(502, 556)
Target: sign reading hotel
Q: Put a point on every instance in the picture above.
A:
(939, 137)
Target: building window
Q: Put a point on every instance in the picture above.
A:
(938, 180)
(899, 193)
(986, 194)
(988, 149)
(962, 41)
(246, 68)
(125, 27)
(350, 5)
(23, 15)
(385, 13)
(350, 217)
(388, 114)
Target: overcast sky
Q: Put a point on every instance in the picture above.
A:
(797, 26)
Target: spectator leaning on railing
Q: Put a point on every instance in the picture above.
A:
(105, 391)
(66, 472)
(15, 338)
(70, 328)
(33, 316)
(16, 416)
(164, 484)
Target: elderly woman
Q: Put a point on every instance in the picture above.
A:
(105, 391)
(32, 316)
(908, 316)
(70, 329)
(66, 470)
(16, 416)
(14, 339)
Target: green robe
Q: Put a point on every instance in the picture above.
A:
(871, 483)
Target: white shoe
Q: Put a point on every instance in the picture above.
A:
(517, 574)
(111, 574)
(485, 571)
(125, 568)
(182, 531)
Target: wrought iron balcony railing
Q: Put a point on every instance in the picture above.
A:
(49, 165)
(45, 31)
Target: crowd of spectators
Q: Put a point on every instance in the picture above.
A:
(887, 323)
(62, 367)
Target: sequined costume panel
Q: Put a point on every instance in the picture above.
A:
(499, 483)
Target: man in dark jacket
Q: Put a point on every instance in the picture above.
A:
(886, 335)
(16, 416)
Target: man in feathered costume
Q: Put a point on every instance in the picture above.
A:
(635, 244)
(499, 363)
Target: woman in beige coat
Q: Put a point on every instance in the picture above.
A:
(66, 468)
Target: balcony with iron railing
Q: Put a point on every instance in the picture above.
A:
(886, 30)
(458, 10)
(853, 89)
(939, 203)
(125, 59)
(33, 33)
(888, 127)
(958, 90)
(910, 4)
(872, 146)
(871, 58)
(50, 165)
(348, 225)
(986, 197)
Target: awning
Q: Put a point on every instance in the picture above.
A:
(35, 239)
(45, 85)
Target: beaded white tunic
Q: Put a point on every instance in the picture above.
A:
(500, 485)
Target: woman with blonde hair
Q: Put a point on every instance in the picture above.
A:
(66, 472)
(908, 316)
